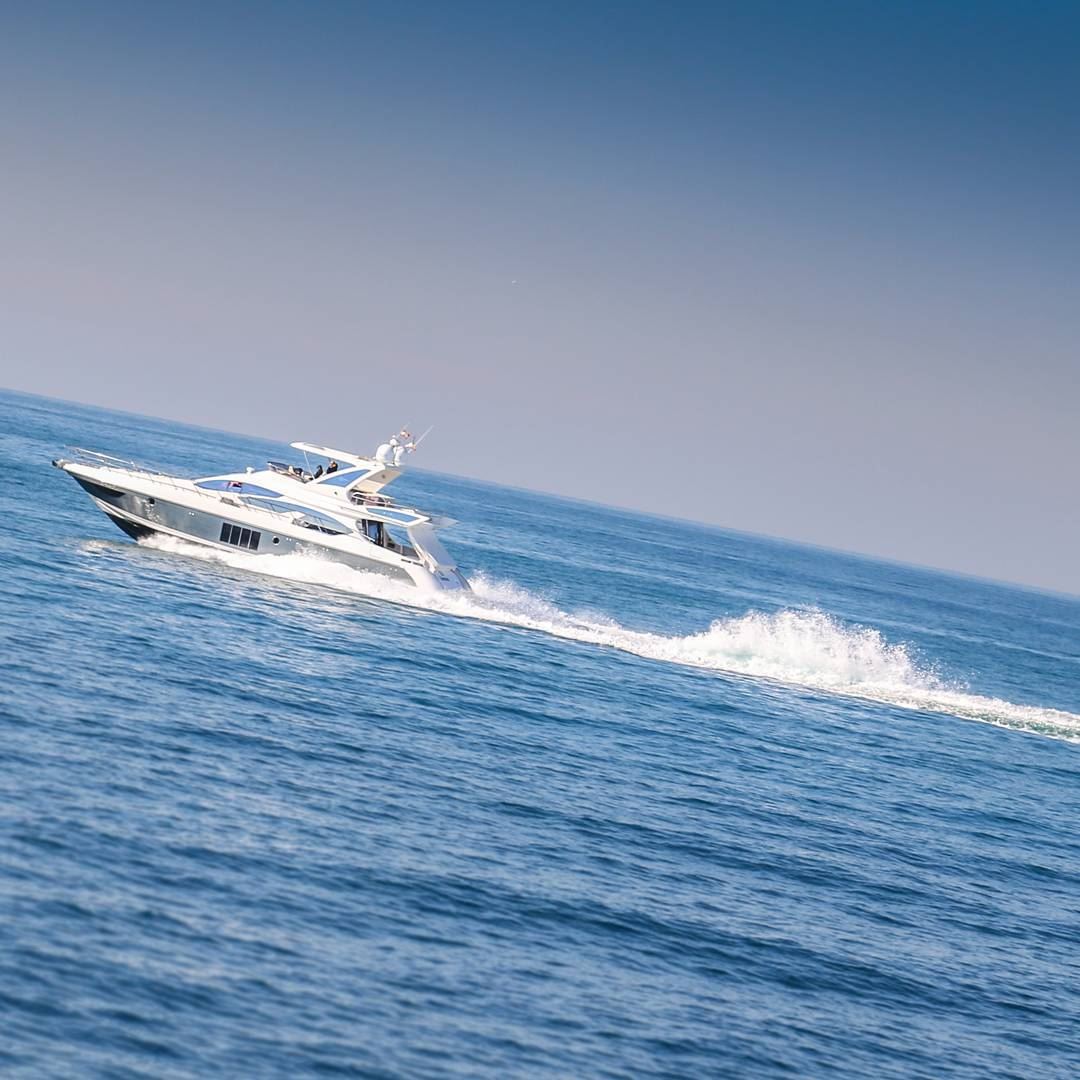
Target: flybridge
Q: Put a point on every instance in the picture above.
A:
(346, 471)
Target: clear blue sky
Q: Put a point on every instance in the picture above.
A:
(810, 269)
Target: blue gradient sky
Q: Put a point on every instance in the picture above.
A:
(805, 269)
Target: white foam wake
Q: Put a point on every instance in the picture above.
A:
(801, 648)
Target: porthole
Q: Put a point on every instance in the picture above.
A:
(277, 539)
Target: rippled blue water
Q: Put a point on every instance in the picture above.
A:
(659, 800)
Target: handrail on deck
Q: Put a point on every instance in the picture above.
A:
(96, 455)
(92, 457)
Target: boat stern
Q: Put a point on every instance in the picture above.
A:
(443, 573)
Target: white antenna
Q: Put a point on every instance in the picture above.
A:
(424, 436)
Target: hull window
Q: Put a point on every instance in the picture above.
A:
(239, 537)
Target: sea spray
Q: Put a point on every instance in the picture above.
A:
(810, 649)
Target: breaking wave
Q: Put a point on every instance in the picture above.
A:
(809, 649)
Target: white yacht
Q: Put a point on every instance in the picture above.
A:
(338, 511)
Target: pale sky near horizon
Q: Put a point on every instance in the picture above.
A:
(807, 269)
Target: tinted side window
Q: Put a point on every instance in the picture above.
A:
(240, 537)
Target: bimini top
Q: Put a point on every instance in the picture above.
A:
(330, 452)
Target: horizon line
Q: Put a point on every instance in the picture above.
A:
(809, 544)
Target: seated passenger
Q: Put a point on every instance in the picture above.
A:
(332, 467)
(317, 473)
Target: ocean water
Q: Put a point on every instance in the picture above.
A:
(656, 800)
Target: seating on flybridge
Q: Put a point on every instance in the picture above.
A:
(337, 509)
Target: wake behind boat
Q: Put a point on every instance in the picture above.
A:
(339, 512)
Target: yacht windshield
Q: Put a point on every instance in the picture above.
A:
(312, 519)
